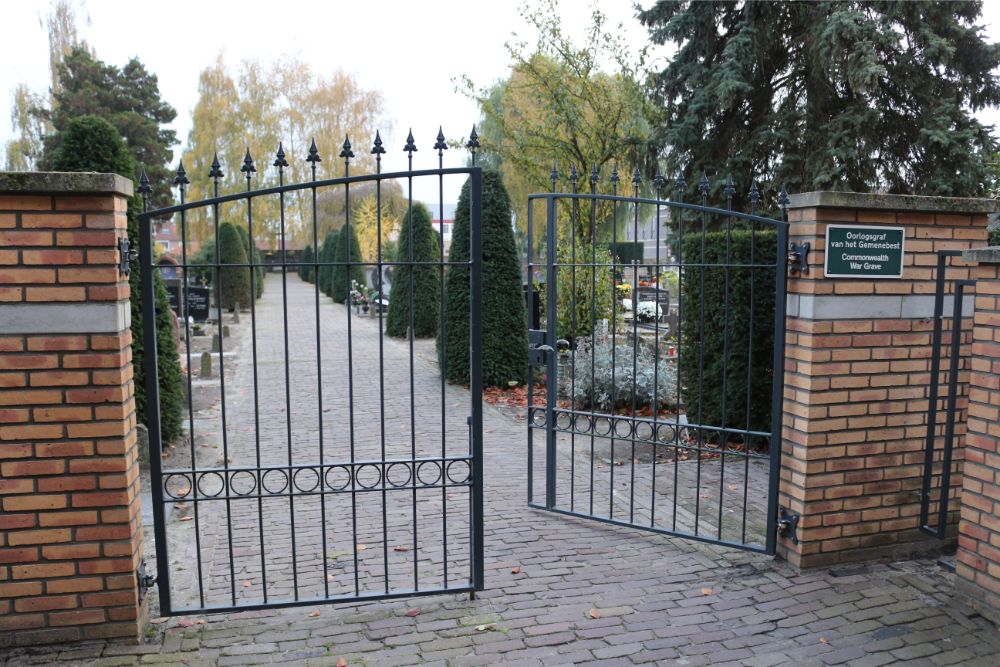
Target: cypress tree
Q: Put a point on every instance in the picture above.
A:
(305, 264)
(89, 143)
(426, 290)
(235, 287)
(326, 257)
(342, 275)
(253, 251)
(505, 326)
(854, 95)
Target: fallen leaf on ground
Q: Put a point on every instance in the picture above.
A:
(413, 612)
(158, 621)
(594, 613)
(342, 663)
(516, 569)
(824, 640)
(200, 621)
(487, 626)
(314, 614)
(401, 548)
(706, 591)
(247, 584)
(361, 547)
(329, 577)
(185, 623)
(186, 518)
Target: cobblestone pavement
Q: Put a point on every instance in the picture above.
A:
(560, 590)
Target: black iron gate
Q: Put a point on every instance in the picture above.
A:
(657, 380)
(323, 461)
(955, 319)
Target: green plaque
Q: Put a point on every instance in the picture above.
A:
(864, 252)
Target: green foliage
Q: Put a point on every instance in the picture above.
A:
(326, 257)
(90, 143)
(627, 251)
(711, 341)
(346, 250)
(505, 337)
(258, 260)
(235, 280)
(421, 283)
(854, 95)
(306, 269)
(584, 294)
(606, 381)
(994, 237)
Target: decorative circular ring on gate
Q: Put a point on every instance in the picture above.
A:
(305, 480)
(337, 478)
(643, 431)
(177, 486)
(463, 474)
(602, 426)
(583, 424)
(538, 417)
(563, 421)
(368, 480)
(394, 474)
(623, 428)
(211, 484)
(421, 474)
(666, 433)
(271, 478)
(243, 483)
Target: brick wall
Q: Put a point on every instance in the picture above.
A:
(857, 369)
(977, 563)
(70, 533)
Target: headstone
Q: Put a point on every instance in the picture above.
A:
(206, 364)
(225, 331)
(236, 313)
(174, 295)
(216, 347)
(197, 303)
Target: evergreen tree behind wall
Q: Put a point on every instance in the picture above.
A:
(347, 249)
(416, 233)
(326, 257)
(234, 289)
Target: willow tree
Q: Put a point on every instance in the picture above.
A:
(846, 95)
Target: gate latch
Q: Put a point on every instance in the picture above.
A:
(537, 347)
(788, 524)
(125, 257)
(798, 258)
(144, 580)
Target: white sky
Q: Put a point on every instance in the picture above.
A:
(410, 50)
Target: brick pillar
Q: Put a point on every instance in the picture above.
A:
(977, 563)
(70, 529)
(856, 378)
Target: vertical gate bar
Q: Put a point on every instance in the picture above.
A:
(441, 146)
(593, 323)
(725, 364)
(574, 218)
(312, 159)
(635, 340)
(256, 395)
(284, 302)
(181, 181)
(949, 427)
(614, 337)
(378, 150)
(680, 330)
(347, 154)
(216, 175)
(701, 377)
(655, 408)
(476, 375)
(777, 383)
(552, 380)
(747, 443)
(409, 339)
(153, 409)
(932, 398)
(529, 257)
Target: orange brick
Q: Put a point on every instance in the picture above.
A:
(34, 502)
(27, 361)
(105, 274)
(12, 380)
(57, 343)
(82, 617)
(95, 429)
(13, 416)
(20, 589)
(12, 486)
(85, 204)
(31, 468)
(43, 570)
(106, 566)
(116, 532)
(83, 238)
(31, 432)
(58, 378)
(45, 603)
(75, 585)
(63, 449)
(24, 555)
(54, 294)
(108, 292)
(8, 257)
(52, 257)
(93, 360)
(13, 521)
(71, 551)
(102, 499)
(25, 203)
(71, 414)
(67, 483)
(51, 220)
(59, 519)
(8, 220)
(16, 239)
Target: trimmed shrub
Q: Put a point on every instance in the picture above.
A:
(341, 275)
(90, 143)
(326, 253)
(258, 260)
(605, 383)
(426, 281)
(235, 280)
(505, 327)
(627, 252)
(306, 268)
(715, 336)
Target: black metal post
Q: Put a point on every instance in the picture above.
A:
(476, 373)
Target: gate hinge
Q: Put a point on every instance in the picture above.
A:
(788, 524)
(125, 257)
(798, 258)
(144, 580)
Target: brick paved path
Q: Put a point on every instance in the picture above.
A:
(559, 590)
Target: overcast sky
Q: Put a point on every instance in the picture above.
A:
(412, 51)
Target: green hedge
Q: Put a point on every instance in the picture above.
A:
(426, 280)
(715, 337)
(626, 252)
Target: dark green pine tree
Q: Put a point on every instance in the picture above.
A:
(426, 281)
(505, 327)
(90, 143)
(326, 255)
(235, 280)
(346, 249)
(253, 251)
(305, 264)
(852, 95)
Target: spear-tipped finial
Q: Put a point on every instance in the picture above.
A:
(658, 179)
(554, 175)
(345, 149)
(216, 170)
(377, 148)
(181, 179)
(279, 158)
(248, 166)
(754, 194)
(574, 176)
(473, 142)
(144, 187)
(730, 188)
(680, 184)
(594, 174)
(783, 199)
(703, 184)
(313, 154)
(440, 144)
(410, 147)
(614, 174)
(636, 178)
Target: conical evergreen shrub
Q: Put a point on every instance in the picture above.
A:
(90, 143)
(505, 327)
(235, 287)
(258, 261)
(347, 249)
(426, 288)
(305, 264)
(326, 254)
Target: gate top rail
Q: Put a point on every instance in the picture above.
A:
(666, 203)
